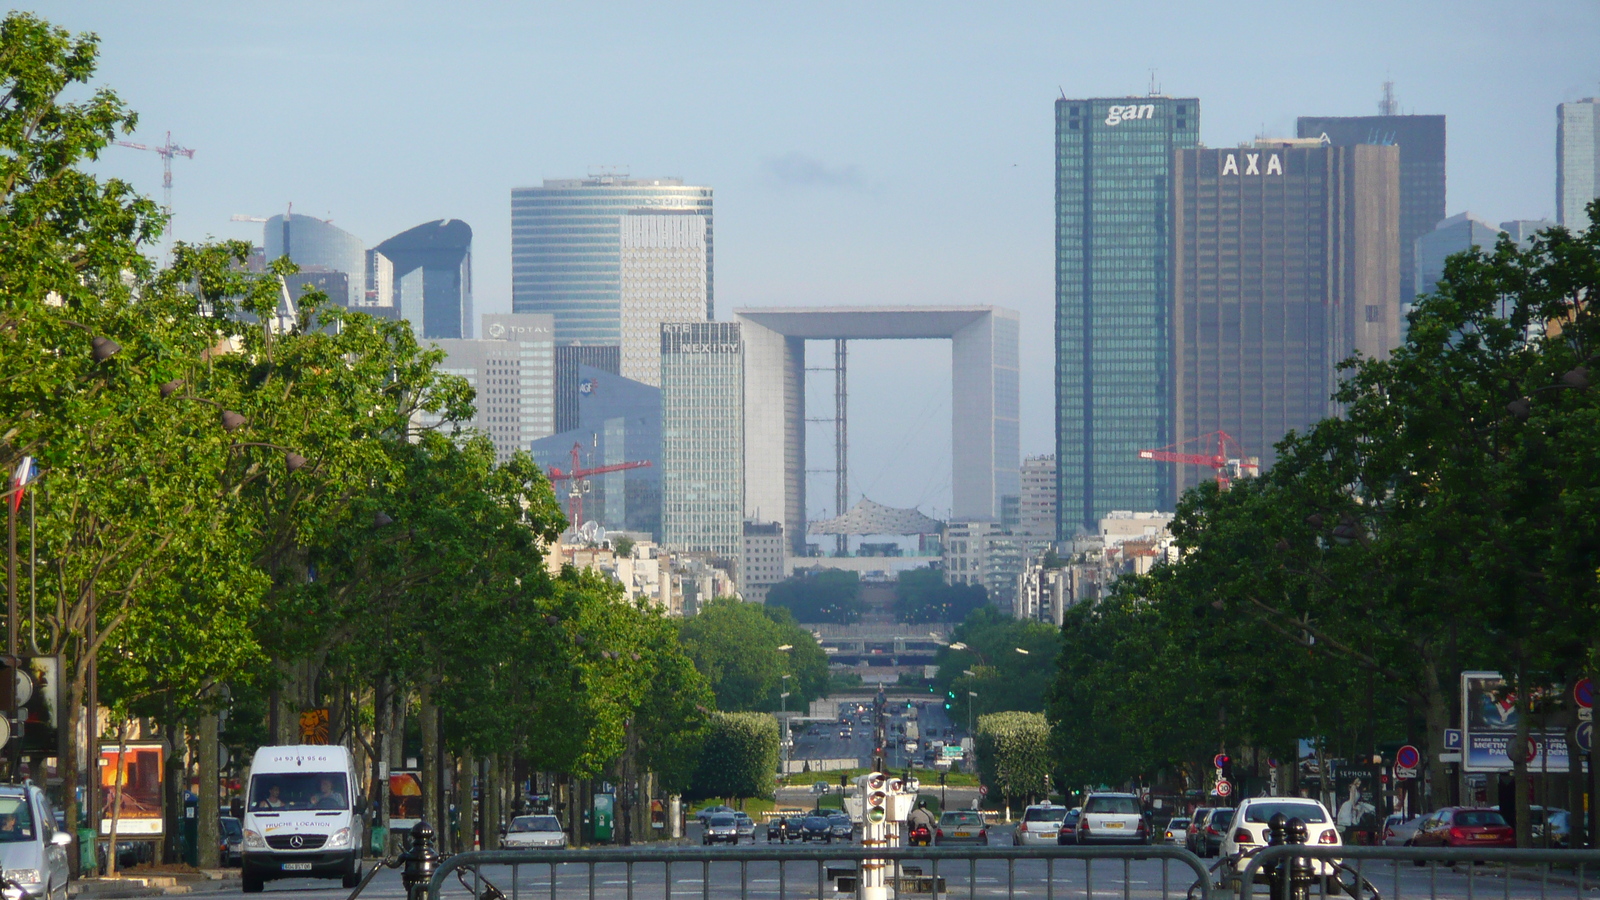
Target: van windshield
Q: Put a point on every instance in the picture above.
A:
(15, 822)
(290, 791)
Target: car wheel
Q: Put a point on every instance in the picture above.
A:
(251, 882)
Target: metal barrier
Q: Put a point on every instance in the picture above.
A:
(938, 872)
(1355, 864)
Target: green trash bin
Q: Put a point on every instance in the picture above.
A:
(88, 862)
(379, 840)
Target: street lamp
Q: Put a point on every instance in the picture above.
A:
(1022, 651)
(971, 695)
(958, 645)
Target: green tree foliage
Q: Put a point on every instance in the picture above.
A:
(921, 595)
(739, 757)
(829, 595)
(1013, 751)
(1003, 678)
(735, 646)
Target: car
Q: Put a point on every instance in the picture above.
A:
(961, 827)
(1463, 826)
(1068, 833)
(1248, 828)
(721, 828)
(819, 787)
(1197, 825)
(746, 826)
(534, 831)
(1112, 818)
(705, 815)
(1040, 824)
(843, 829)
(1215, 830)
(1176, 831)
(1560, 826)
(1398, 830)
(230, 839)
(783, 829)
(32, 850)
(816, 828)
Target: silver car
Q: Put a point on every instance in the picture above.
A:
(722, 828)
(33, 852)
(745, 825)
(535, 831)
(1040, 825)
(1112, 819)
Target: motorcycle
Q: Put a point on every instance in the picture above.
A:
(921, 836)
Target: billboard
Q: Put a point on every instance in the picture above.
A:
(1489, 722)
(140, 772)
(405, 799)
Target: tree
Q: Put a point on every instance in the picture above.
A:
(921, 595)
(1003, 678)
(829, 595)
(1013, 750)
(735, 646)
(738, 758)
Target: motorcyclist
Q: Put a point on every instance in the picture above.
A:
(921, 817)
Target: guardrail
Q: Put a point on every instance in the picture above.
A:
(1357, 863)
(938, 872)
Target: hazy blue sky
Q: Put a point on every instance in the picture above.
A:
(861, 153)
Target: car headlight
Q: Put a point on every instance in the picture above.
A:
(338, 839)
(23, 876)
(254, 841)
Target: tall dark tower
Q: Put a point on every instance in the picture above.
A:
(433, 277)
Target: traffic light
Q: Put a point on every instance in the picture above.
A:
(1226, 769)
(877, 798)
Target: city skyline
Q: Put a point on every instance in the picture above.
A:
(823, 188)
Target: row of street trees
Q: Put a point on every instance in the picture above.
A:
(240, 508)
(1445, 521)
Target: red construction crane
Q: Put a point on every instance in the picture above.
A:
(1227, 465)
(167, 151)
(580, 485)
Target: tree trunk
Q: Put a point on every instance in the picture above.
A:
(464, 816)
(1519, 762)
(176, 786)
(1436, 716)
(119, 775)
(206, 807)
(432, 778)
(72, 720)
(493, 796)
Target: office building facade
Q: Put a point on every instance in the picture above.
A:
(566, 248)
(570, 359)
(319, 247)
(428, 275)
(1285, 262)
(1421, 140)
(1113, 348)
(764, 560)
(1036, 518)
(702, 438)
(1577, 161)
(665, 276)
(514, 375)
(1456, 234)
(618, 420)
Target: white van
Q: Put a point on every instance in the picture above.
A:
(301, 817)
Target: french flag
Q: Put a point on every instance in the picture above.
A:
(26, 472)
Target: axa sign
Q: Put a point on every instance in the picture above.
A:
(1118, 114)
(1253, 164)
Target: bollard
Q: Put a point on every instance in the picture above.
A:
(419, 860)
(1276, 837)
(1301, 873)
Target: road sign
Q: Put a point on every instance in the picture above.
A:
(1407, 757)
(1220, 760)
(1533, 750)
(1583, 693)
(1223, 789)
(1585, 736)
(1452, 739)
(983, 791)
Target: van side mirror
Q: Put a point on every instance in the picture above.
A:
(361, 806)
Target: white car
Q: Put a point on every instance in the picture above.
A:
(535, 831)
(1112, 819)
(1039, 825)
(1248, 832)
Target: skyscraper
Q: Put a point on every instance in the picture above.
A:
(1113, 348)
(665, 277)
(1577, 161)
(566, 248)
(617, 420)
(512, 368)
(1456, 234)
(431, 273)
(702, 438)
(1422, 170)
(1286, 261)
(319, 247)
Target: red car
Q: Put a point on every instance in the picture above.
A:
(1458, 827)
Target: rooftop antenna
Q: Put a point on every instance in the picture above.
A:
(1387, 106)
(1063, 91)
(1155, 89)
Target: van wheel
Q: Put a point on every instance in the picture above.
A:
(353, 877)
(251, 882)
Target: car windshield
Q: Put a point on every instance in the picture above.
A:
(1178, 823)
(231, 827)
(816, 822)
(1220, 818)
(1121, 806)
(1261, 813)
(1046, 814)
(1479, 817)
(535, 823)
(298, 790)
(961, 818)
(16, 823)
(721, 819)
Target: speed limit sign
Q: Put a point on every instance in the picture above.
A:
(1224, 789)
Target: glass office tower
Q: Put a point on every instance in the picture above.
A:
(1113, 348)
(702, 438)
(1577, 161)
(566, 248)
(431, 270)
(318, 246)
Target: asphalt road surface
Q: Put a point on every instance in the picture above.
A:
(1032, 879)
(853, 738)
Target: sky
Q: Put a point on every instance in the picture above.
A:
(861, 153)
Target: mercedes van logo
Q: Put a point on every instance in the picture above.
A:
(297, 842)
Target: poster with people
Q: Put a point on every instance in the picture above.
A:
(1489, 718)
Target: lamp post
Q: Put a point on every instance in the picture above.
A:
(971, 695)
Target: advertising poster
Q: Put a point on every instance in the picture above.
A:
(405, 799)
(39, 702)
(140, 771)
(1489, 719)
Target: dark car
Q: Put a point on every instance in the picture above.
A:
(1196, 829)
(230, 837)
(843, 830)
(1069, 827)
(816, 828)
(785, 829)
(1216, 828)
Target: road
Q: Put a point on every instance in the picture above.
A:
(1144, 879)
(853, 738)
